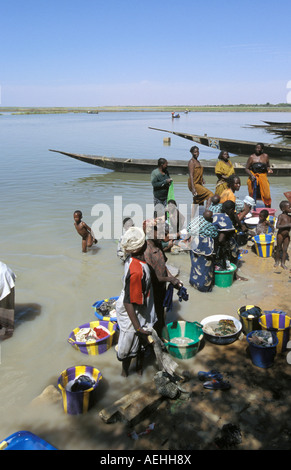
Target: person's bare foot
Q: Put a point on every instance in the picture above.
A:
(283, 266)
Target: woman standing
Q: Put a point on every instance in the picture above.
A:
(196, 180)
(223, 170)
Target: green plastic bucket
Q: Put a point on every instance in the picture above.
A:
(176, 333)
(224, 278)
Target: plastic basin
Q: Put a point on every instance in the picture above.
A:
(224, 278)
(182, 329)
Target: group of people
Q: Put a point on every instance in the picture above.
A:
(212, 238)
(257, 169)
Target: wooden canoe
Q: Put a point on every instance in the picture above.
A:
(176, 167)
(278, 124)
(236, 147)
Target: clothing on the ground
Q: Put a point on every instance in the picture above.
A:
(202, 193)
(137, 290)
(225, 169)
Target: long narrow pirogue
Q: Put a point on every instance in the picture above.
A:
(176, 167)
(237, 147)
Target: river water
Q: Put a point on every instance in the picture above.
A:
(56, 283)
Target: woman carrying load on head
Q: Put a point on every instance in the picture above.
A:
(196, 180)
(223, 170)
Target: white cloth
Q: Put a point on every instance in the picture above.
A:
(133, 240)
(7, 280)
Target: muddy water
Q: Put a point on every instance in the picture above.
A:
(57, 285)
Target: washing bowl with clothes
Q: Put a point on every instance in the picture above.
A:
(221, 329)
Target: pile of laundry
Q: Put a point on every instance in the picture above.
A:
(87, 335)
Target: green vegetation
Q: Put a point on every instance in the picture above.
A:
(281, 107)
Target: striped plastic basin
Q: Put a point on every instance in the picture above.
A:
(81, 401)
(264, 245)
(96, 347)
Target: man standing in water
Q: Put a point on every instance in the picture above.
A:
(161, 181)
(258, 167)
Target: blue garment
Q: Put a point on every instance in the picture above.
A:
(202, 264)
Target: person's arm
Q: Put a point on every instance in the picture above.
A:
(281, 224)
(134, 320)
(247, 168)
(269, 170)
(156, 183)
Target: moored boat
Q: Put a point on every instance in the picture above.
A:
(176, 167)
(236, 147)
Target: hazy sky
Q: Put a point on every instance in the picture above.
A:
(152, 52)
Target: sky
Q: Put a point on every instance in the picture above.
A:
(144, 53)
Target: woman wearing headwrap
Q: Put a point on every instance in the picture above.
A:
(135, 306)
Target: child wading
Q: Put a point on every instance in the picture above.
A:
(84, 231)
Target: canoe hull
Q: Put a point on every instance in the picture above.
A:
(236, 147)
(146, 166)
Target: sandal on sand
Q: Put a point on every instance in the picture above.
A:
(216, 385)
(212, 374)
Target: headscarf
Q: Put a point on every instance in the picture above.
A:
(133, 240)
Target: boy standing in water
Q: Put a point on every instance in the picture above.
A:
(283, 235)
(84, 231)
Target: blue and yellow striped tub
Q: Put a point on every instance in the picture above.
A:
(264, 245)
(97, 347)
(280, 323)
(78, 402)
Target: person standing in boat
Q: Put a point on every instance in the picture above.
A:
(258, 168)
(223, 170)
(196, 181)
(161, 181)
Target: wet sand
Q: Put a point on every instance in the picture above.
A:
(206, 411)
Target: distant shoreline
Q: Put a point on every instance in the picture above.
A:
(282, 107)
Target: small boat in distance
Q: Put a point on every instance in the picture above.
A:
(236, 147)
(176, 167)
(175, 115)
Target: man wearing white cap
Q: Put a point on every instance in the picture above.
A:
(135, 307)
